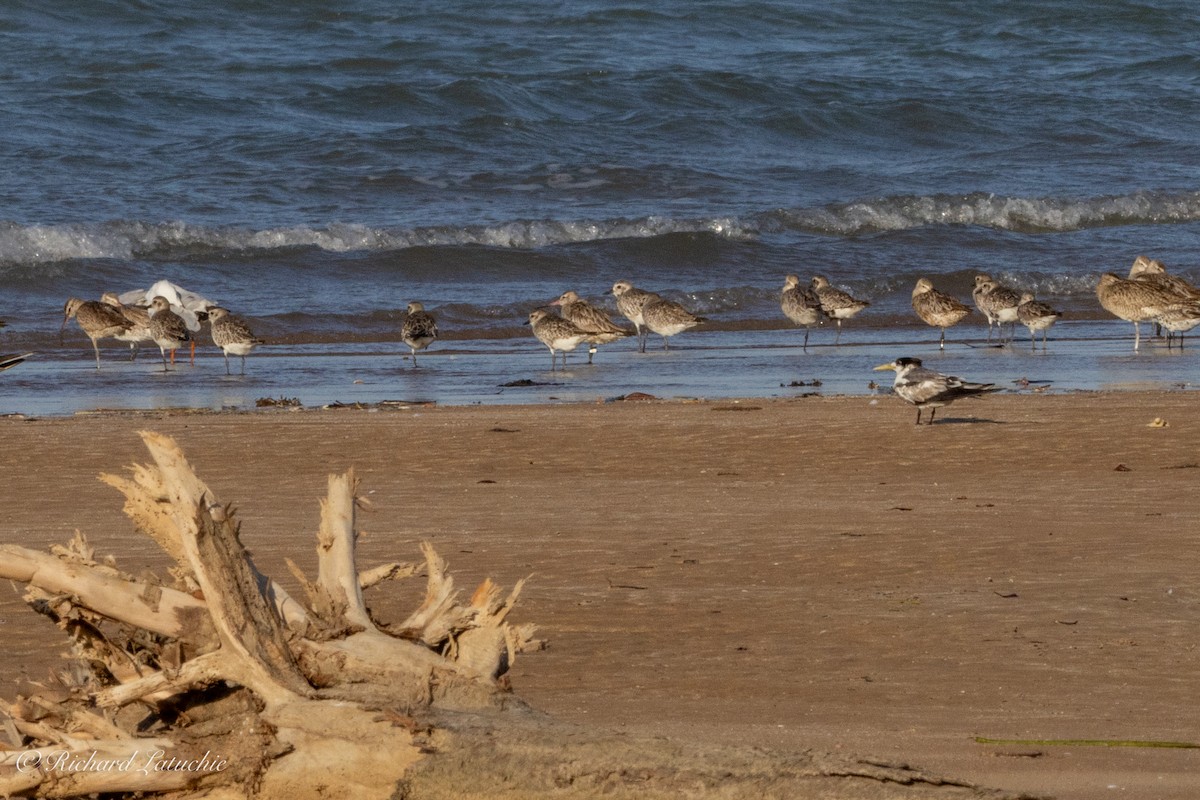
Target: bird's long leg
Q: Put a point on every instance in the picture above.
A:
(133, 351)
(1045, 333)
(641, 337)
(96, 347)
(932, 414)
(1137, 335)
(665, 345)
(1032, 340)
(918, 415)
(806, 338)
(193, 360)
(227, 372)
(838, 338)
(164, 356)
(942, 343)
(414, 352)
(243, 365)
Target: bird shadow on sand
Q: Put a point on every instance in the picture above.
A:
(967, 421)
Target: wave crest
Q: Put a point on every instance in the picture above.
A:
(39, 244)
(1019, 214)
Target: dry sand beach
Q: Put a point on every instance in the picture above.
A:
(808, 573)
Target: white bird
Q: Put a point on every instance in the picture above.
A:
(925, 388)
(189, 306)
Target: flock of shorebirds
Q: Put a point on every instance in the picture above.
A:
(171, 317)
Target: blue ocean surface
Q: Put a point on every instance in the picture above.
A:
(314, 168)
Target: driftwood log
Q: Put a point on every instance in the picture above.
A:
(215, 682)
(216, 677)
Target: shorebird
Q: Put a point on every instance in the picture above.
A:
(1037, 316)
(186, 304)
(168, 329)
(667, 318)
(10, 361)
(835, 303)
(630, 301)
(556, 333)
(587, 317)
(1179, 319)
(925, 388)
(419, 329)
(97, 320)
(1148, 270)
(232, 335)
(1154, 272)
(139, 321)
(800, 305)
(1134, 301)
(995, 301)
(936, 309)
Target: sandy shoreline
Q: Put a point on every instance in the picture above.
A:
(794, 573)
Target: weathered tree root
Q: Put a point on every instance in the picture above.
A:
(217, 679)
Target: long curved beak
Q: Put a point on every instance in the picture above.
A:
(891, 365)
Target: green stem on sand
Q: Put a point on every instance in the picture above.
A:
(1090, 743)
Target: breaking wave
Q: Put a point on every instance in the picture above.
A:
(127, 240)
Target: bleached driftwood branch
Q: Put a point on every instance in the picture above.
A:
(222, 643)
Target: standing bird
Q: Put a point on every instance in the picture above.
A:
(1134, 301)
(1148, 270)
(835, 304)
(189, 306)
(139, 321)
(800, 305)
(925, 388)
(556, 333)
(630, 301)
(167, 328)
(995, 301)
(1179, 319)
(232, 335)
(1037, 316)
(667, 318)
(1154, 272)
(936, 309)
(97, 320)
(419, 329)
(587, 317)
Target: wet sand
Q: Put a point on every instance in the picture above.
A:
(794, 573)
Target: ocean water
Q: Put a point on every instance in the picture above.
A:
(315, 168)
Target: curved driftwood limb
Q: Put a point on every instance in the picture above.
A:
(164, 611)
